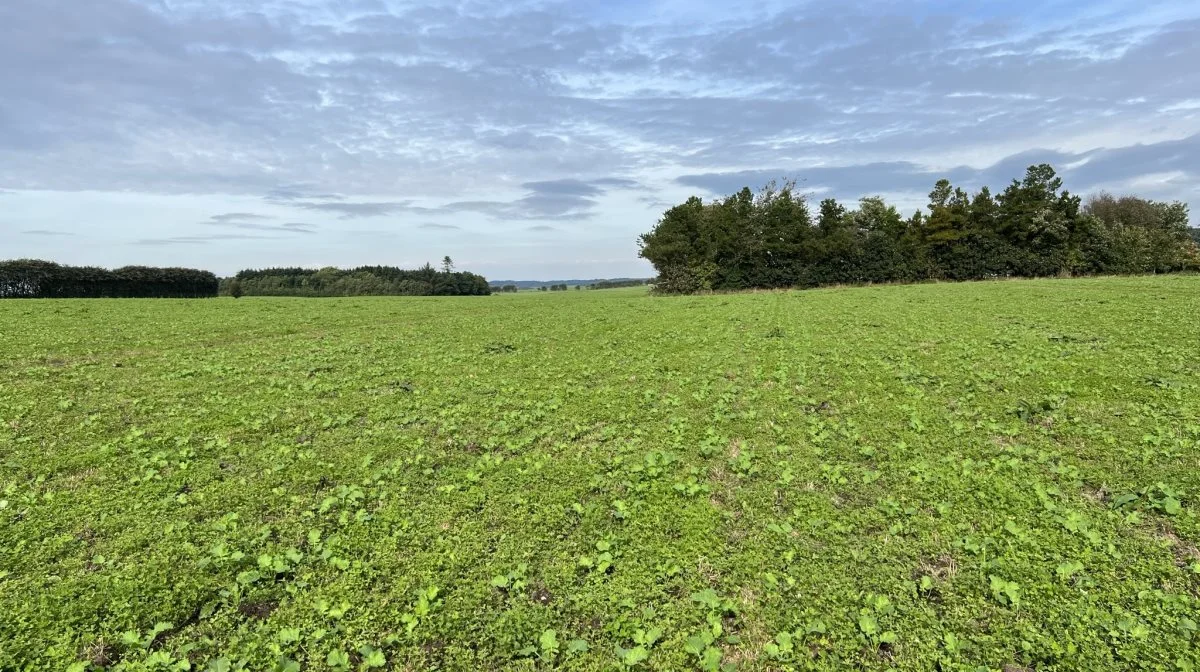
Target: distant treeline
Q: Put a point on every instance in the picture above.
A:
(1031, 229)
(361, 281)
(561, 287)
(615, 284)
(36, 279)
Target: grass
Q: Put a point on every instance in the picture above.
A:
(995, 476)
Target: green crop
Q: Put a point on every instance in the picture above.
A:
(981, 476)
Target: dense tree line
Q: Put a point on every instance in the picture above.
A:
(36, 279)
(505, 289)
(361, 281)
(615, 284)
(1033, 228)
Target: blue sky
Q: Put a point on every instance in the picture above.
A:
(538, 139)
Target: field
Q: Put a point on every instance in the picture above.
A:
(997, 476)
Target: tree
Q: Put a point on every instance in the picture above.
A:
(1034, 228)
(362, 281)
(31, 278)
(1144, 234)
(235, 288)
(447, 265)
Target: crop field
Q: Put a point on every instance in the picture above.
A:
(984, 476)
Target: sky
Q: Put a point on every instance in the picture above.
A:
(536, 140)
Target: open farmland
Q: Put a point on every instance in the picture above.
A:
(974, 476)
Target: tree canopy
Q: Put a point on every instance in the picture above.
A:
(1032, 228)
(36, 279)
(362, 281)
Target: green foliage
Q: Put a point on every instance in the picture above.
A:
(34, 279)
(362, 281)
(617, 284)
(1031, 229)
(944, 476)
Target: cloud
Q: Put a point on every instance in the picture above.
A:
(1081, 171)
(298, 192)
(564, 188)
(439, 227)
(238, 217)
(46, 232)
(562, 199)
(357, 210)
(541, 227)
(654, 202)
(197, 240)
(252, 222)
(312, 101)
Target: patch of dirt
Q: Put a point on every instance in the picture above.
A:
(753, 635)
(541, 595)
(887, 652)
(823, 408)
(1185, 552)
(1098, 494)
(433, 648)
(260, 610)
(941, 568)
(99, 653)
(76, 479)
(706, 571)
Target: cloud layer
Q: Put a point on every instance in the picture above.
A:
(510, 119)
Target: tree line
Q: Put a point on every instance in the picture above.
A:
(37, 279)
(616, 284)
(361, 281)
(1033, 228)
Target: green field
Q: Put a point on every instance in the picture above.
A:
(960, 476)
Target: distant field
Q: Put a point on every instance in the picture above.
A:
(958, 477)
